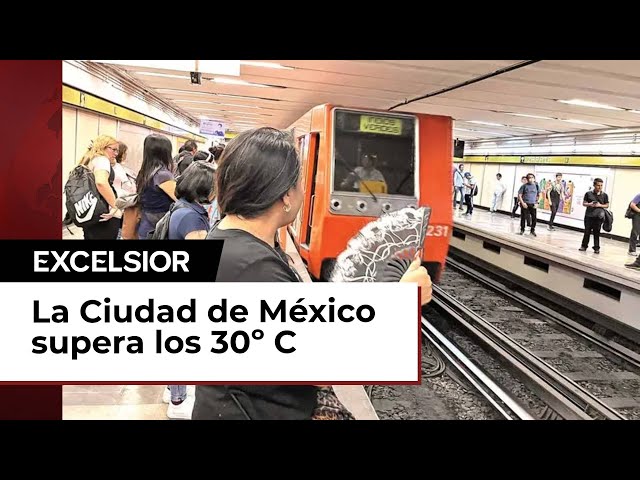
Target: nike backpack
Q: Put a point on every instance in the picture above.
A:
(84, 203)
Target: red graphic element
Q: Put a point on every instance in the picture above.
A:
(31, 190)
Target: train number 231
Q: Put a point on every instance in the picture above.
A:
(437, 230)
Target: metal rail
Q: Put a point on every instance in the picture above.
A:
(620, 351)
(566, 397)
(508, 406)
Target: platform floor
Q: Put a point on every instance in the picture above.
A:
(562, 242)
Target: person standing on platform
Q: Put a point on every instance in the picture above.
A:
(634, 206)
(516, 203)
(470, 186)
(498, 193)
(596, 201)
(554, 195)
(528, 196)
(458, 185)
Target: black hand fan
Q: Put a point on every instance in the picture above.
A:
(384, 248)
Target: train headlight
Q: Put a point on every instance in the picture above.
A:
(336, 204)
(362, 205)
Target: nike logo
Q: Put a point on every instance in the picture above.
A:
(85, 207)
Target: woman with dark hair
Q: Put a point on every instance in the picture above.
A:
(155, 183)
(125, 178)
(194, 189)
(259, 190)
(189, 221)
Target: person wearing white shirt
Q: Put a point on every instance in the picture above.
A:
(458, 185)
(470, 186)
(498, 193)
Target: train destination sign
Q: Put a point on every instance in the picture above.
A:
(384, 125)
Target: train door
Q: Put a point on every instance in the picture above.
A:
(301, 227)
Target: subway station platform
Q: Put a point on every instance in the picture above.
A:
(553, 261)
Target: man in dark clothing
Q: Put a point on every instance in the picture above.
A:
(528, 197)
(184, 157)
(634, 206)
(596, 201)
(554, 195)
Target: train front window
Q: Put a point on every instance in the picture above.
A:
(374, 153)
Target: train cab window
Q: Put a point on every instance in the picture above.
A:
(374, 152)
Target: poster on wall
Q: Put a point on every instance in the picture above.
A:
(215, 128)
(576, 182)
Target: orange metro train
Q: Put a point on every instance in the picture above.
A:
(410, 155)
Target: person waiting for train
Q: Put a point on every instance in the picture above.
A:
(156, 184)
(470, 186)
(516, 203)
(528, 196)
(125, 178)
(100, 158)
(498, 193)
(189, 221)
(458, 185)
(634, 207)
(596, 201)
(184, 159)
(194, 190)
(554, 194)
(366, 172)
(259, 190)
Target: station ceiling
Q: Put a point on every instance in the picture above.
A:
(488, 99)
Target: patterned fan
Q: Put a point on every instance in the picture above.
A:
(383, 250)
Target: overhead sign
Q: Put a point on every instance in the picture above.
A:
(384, 125)
(215, 128)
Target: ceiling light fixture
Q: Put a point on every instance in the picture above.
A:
(529, 116)
(235, 81)
(530, 129)
(266, 65)
(587, 103)
(212, 94)
(164, 75)
(582, 122)
(179, 100)
(486, 123)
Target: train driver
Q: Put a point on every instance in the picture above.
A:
(366, 172)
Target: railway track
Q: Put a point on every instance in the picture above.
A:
(577, 373)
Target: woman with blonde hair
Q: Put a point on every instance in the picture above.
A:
(99, 158)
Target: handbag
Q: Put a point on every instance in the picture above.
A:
(630, 213)
(131, 215)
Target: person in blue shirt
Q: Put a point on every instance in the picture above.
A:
(194, 188)
(190, 221)
(528, 196)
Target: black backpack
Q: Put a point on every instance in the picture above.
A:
(475, 190)
(161, 232)
(84, 203)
